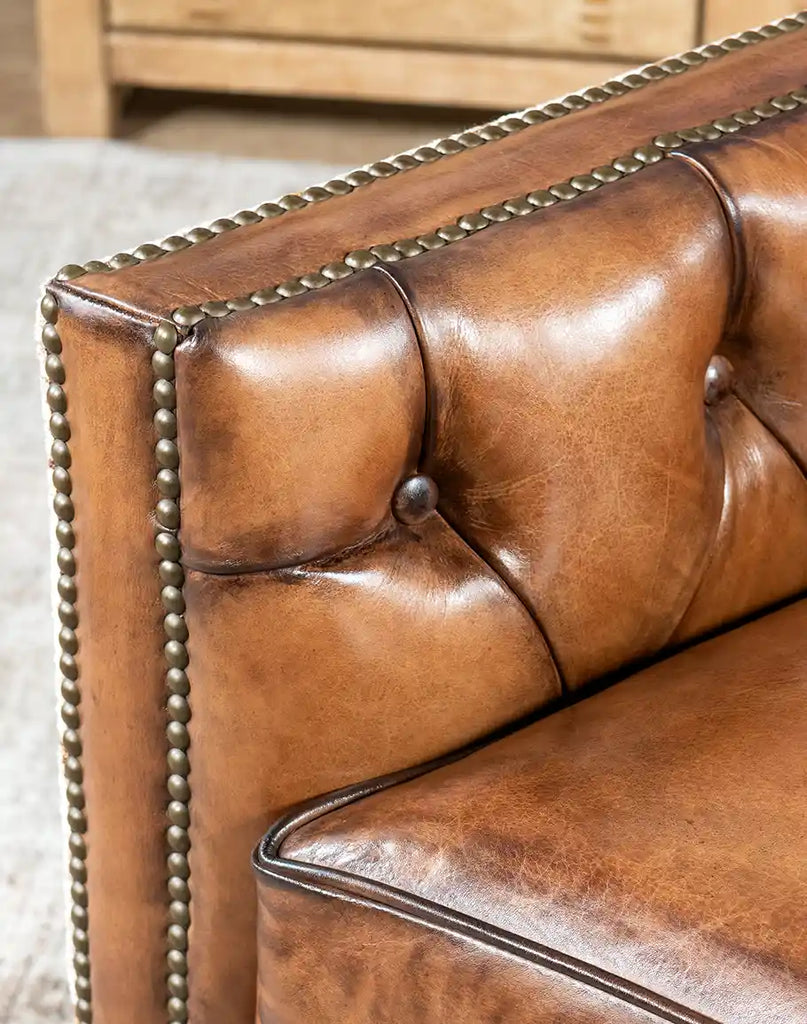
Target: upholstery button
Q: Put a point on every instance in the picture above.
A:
(415, 499)
(718, 380)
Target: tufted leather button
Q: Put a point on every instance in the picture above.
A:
(415, 499)
(718, 379)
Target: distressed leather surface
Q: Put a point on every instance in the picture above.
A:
(654, 832)
(548, 373)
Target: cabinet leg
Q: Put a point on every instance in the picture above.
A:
(76, 94)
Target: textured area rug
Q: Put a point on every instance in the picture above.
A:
(63, 202)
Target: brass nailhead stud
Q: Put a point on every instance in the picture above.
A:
(187, 316)
(290, 289)
(166, 337)
(49, 308)
(70, 272)
(176, 961)
(449, 147)
(535, 116)
(471, 222)
(171, 573)
(338, 187)
(452, 232)
(60, 454)
(336, 270)
(518, 206)
(493, 131)
(215, 308)
(245, 217)
(784, 102)
(541, 197)
(406, 162)
(361, 259)
(175, 242)
(585, 182)
(177, 681)
(563, 190)
(165, 423)
(51, 339)
(177, 761)
(178, 865)
(223, 224)
(415, 499)
(178, 788)
(268, 211)
(149, 252)
(292, 202)
(59, 428)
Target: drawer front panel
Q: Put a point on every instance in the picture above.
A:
(630, 28)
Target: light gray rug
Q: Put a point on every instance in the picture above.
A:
(64, 202)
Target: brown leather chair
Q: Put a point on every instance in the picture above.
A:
(494, 447)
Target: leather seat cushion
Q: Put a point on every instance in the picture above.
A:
(654, 834)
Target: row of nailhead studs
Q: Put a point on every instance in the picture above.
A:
(176, 656)
(68, 642)
(470, 223)
(490, 132)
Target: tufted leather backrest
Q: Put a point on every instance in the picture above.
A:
(437, 492)
(607, 397)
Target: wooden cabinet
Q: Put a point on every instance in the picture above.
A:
(474, 53)
(619, 28)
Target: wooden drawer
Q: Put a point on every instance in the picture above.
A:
(626, 28)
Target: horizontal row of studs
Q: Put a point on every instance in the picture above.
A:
(471, 223)
(450, 146)
(172, 578)
(72, 748)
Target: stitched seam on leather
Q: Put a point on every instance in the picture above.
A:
(452, 145)
(428, 451)
(332, 883)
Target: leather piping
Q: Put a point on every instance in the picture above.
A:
(353, 889)
(386, 899)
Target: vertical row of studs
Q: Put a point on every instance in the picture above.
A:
(72, 749)
(176, 657)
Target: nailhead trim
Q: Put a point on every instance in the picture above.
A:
(469, 223)
(441, 148)
(72, 745)
(177, 834)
